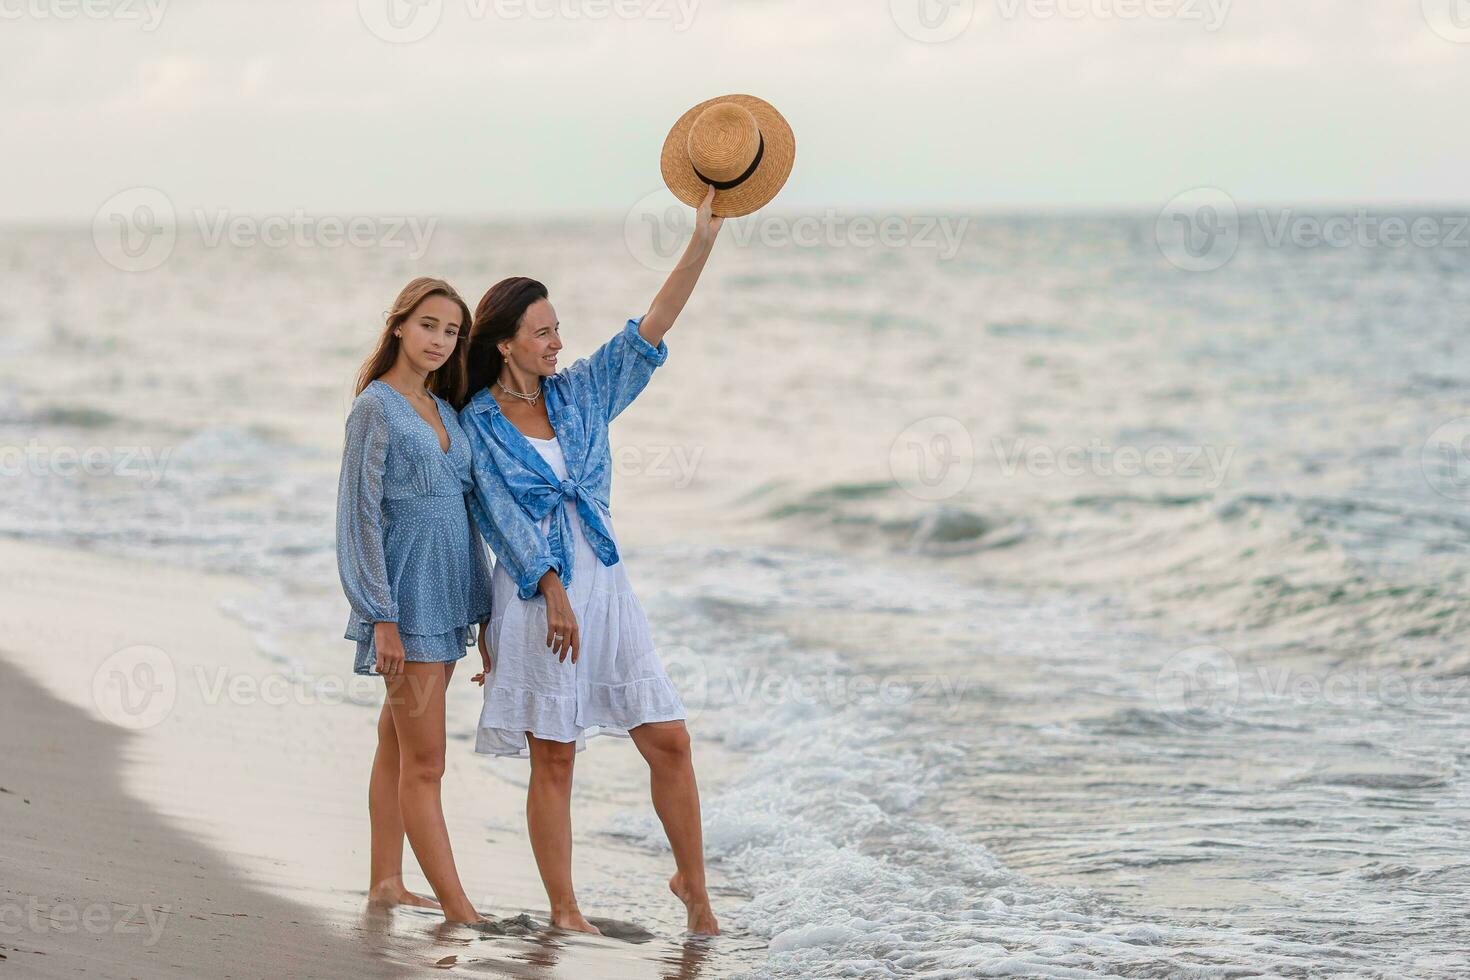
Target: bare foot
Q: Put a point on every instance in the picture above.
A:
(401, 896)
(466, 916)
(573, 922)
(701, 917)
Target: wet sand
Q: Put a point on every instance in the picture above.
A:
(96, 883)
(177, 802)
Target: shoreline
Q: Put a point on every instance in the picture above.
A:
(96, 882)
(170, 764)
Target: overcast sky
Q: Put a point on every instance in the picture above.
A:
(530, 107)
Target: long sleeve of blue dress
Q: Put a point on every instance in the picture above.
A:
(361, 560)
(480, 585)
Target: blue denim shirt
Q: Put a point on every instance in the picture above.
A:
(515, 488)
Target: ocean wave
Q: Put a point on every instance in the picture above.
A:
(825, 827)
(76, 417)
(879, 512)
(1342, 576)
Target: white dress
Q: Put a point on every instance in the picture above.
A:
(617, 682)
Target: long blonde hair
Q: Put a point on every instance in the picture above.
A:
(448, 379)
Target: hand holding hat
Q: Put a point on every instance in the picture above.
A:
(737, 144)
(706, 222)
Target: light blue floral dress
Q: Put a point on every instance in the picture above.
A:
(405, 550)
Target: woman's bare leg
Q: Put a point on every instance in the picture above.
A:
(665, 746)
(549, 821)
(417, 701)
(386, 885)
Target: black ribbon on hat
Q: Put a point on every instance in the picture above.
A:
(725, 185)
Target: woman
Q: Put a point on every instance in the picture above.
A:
(573, 651)
(414, 573)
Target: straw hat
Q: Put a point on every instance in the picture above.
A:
(738, 143)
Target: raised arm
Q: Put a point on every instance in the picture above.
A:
(618, 370)
(669, 302)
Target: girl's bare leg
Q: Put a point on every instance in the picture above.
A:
(665, 746)
(386, 886)
(416, 699)
(549, 821)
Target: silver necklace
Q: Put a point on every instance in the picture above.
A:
(529, 398)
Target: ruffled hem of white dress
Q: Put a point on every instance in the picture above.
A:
(610, 709)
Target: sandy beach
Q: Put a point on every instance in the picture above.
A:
(176, 803)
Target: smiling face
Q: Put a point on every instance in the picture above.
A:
(427, 338)
(534, 347)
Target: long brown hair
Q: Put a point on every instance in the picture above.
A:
(448, 379)
(497, 318)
